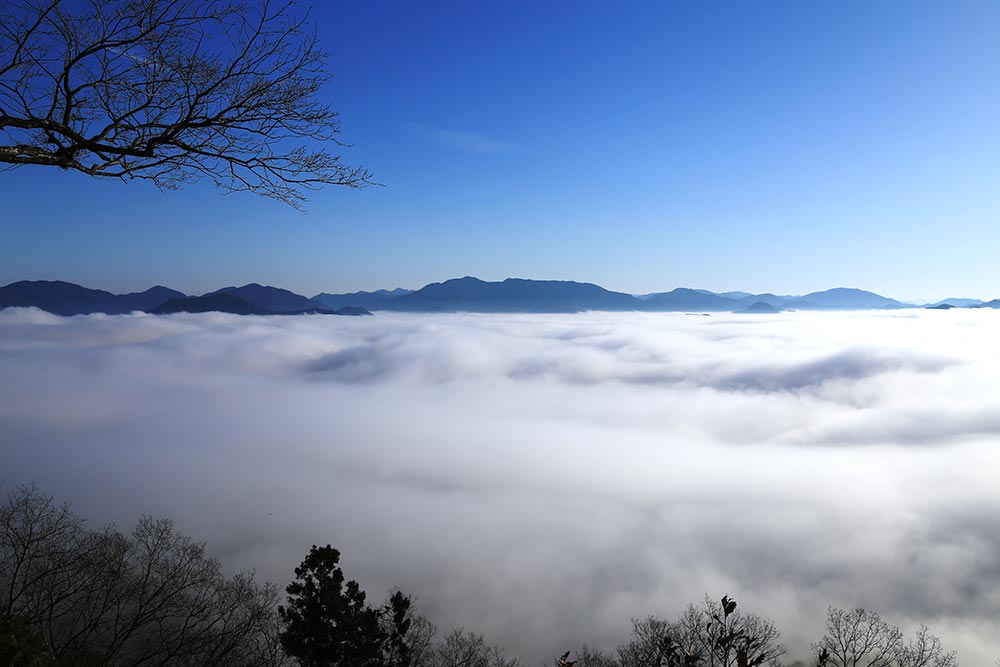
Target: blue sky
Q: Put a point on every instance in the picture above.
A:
(763, 146)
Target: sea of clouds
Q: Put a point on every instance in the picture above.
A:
(543, 479)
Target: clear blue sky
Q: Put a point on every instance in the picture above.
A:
(762, 146)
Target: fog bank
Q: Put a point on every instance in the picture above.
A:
(539, 478)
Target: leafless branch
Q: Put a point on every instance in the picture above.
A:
(171, 91)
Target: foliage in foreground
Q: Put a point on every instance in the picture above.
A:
(73, 596)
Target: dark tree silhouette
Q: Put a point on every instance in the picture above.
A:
(170, 91)
(462, 648)
(327, 622)
(74, 596)
(588, 656)
(396, 622)
(714, 634)
(861, 638)
(70, 596)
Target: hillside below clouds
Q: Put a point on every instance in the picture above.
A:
(468, 294)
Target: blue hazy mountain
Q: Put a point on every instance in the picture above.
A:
(270, 299)
(940, 306)
(767, 297)
(512, 295)
(458, 294)
(684, 298)
(958, 303)
(64, 298)
(368, 300)
(844, 298)
(760, 308)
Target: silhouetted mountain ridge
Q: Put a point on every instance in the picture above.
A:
(844, 298)
(468, 294)
(149, 299)
(272, 299)
(684, 298)
(512, 295)
(227, 302)
(63, 298)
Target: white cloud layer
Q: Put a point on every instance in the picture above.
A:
(544, 478)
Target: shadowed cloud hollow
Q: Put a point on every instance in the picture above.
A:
(543, 478)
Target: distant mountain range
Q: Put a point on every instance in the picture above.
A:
(370, 300)
(551, 296)
(64, 298)
(69, 299)
(468, 294)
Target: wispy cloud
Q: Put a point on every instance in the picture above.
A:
(462, 140)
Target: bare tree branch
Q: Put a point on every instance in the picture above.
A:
(152, 598)
(171, 91)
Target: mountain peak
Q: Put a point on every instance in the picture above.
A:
(512, 295)
(844, 298)
(271, 299)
